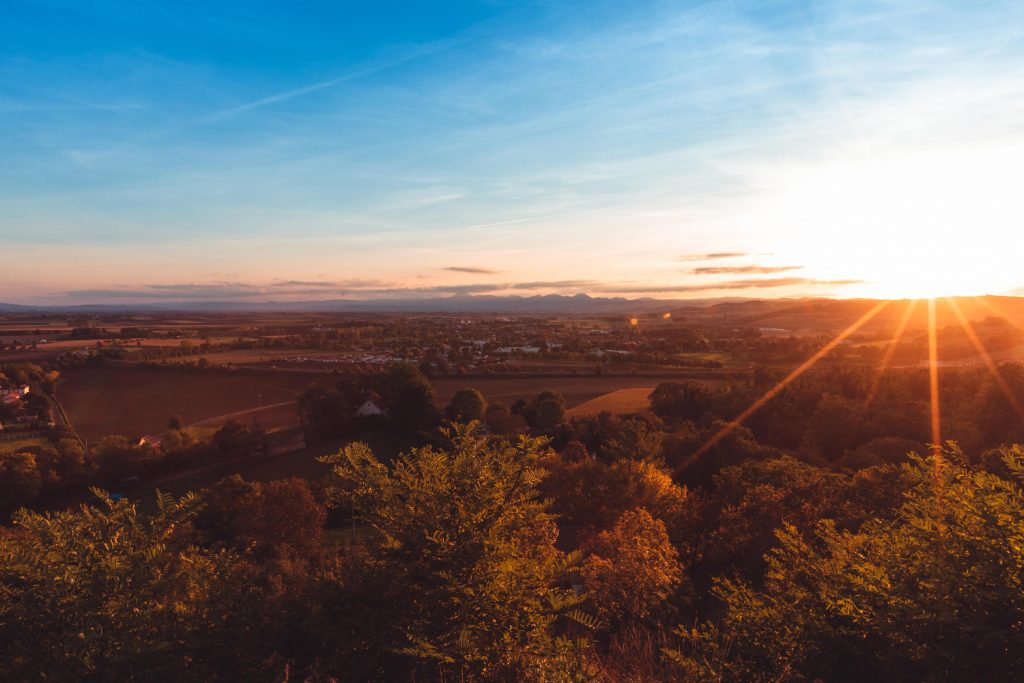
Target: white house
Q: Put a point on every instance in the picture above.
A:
(373, 405)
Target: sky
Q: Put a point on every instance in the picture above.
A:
(198, 151)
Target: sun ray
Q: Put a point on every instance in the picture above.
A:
(986, 357)
(890, 351)
(782, 384)
(933, 380)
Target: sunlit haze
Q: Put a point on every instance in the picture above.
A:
(251, 152)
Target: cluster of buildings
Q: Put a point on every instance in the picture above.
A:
(13, 394)
(16, 412)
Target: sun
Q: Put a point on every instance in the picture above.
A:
(919, 223)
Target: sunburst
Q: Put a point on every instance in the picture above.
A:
(782, 384)
(935, 409)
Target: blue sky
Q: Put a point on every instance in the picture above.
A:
(185, 150)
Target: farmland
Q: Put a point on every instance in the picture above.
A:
(136, 401)
(616, 402)
(114, 378)
(129, 401)
(575, 390)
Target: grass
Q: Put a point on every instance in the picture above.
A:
(618, 402)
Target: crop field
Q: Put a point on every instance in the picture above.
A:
(618, 402)
(575, 390)
(102, 401)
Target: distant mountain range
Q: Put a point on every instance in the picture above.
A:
(463, 303)
(784, 314)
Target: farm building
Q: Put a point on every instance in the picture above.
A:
(373, 405)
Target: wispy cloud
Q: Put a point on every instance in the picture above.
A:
(471, 269)
(311, 88)
(752, 284)
(304, 283)
(714, 256)
(742, 270)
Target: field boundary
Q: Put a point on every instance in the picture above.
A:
(238, 413)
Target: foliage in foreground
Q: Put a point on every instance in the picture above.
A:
(933, 594)
(455, 574)
(471, 580)
(102, 593)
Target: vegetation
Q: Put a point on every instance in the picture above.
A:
(522, 543)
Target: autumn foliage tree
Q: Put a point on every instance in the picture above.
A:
(464, 554)
(632, 568)
(278, 518)
(933, 594)
(467, 405)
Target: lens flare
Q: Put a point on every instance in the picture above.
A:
(933, 380)
(786, 381)
(890, 351)
(986, 358)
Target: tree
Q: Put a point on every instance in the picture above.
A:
(637, 438)
(591, 496)
(933, 594)
(545, 411)
(463, 554)
(833, 427)
(467, 405)
(118, 458)
(632, 568)
(751, 501)
(410, 398)
(280, 518)
(575, 452)
(61, 465)
(501, 420)
(680, 400)
(177, 440)
(20, 482)
(234, 437)
(101, 593)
